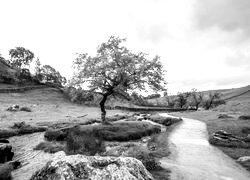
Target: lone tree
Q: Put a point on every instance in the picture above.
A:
(115, 70)
(20, 57)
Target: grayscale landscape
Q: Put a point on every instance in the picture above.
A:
(110, 90)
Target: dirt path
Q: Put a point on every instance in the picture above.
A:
(196, 159)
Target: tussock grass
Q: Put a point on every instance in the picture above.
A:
(50, 147)
(55, 135)
(122, 131)
(84, 142)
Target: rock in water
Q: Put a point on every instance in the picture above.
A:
(92, 168)
(5, 152)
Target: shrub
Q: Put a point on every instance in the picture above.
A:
(81, 142)
(55, 135)
(50, 147)
(144, 155)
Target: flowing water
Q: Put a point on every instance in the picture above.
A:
(30, 159)
(196, 159)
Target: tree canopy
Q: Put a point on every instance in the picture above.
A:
(20, 57)
(50, 75)
(115, 70)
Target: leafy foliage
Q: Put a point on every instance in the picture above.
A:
(50, 75)
(212, 100)
(20, 57)
(182, 99)
(196, 98)
(78, 95)
(115, 70)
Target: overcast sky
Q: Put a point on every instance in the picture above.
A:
(203, 44)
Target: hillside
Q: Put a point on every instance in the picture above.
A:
(5, 70)
(48, 105)
(237, 99)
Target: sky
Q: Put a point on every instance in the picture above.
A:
(203, 44)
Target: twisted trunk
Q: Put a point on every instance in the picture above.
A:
(102, 106)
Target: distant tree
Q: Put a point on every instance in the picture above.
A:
(38, 68)
(212, 100)
(196, 98)
(170, 101)
(165, 94)
(115, 70)
(20, 57)
(153, 96)
(50, 75)
(182, 99)
(138, 99)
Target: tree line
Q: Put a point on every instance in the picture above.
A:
(20, 60)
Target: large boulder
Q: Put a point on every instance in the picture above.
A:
(92, 168)
(244, 161)
(5, 152)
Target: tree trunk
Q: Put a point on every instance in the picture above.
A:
(102, 105)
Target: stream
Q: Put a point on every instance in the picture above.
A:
(31, 160)
(195, 159)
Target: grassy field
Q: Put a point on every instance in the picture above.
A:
(48, 106)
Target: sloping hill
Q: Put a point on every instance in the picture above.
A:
(48, 105)
(6, 72)
(237, 100)
(243, 92)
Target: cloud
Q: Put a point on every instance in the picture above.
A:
(154, 32)
(227, 15)
(233, 81)
(239, 60)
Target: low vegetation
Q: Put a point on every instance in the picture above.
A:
(55, 135)
(84, 142)
(20, 129)
(144, 155)
(50, 147)
(122, 131)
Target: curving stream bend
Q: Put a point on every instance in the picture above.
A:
(30, 159)
(196, 159)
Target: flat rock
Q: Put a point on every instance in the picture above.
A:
(245, 161)
(226, 139)
(92, 168)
